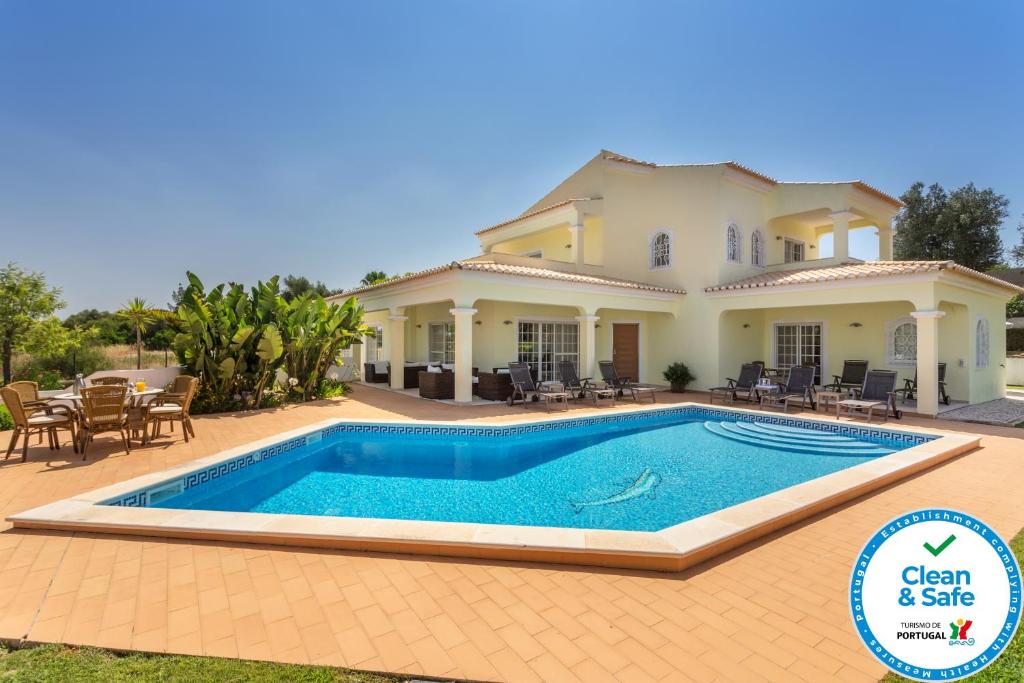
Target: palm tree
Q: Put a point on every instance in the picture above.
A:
(374, 277)
(141, 316)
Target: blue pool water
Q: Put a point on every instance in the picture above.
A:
(640, 475)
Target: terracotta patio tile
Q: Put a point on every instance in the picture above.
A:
(775, 610)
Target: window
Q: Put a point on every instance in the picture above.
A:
(545, 344)
(902, 342)
(534, 254)
(374, 346)
(757, 248)
(733, 245)
(981, 344)
(441, 343)
(794, 251)
(661, 250)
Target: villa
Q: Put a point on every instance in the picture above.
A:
(713, 265)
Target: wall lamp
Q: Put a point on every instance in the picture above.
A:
(856, 325)
(506, 322)
(478, 322)
(746, 326)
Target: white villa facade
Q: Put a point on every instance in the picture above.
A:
(713, 265)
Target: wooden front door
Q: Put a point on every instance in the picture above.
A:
(626, 350)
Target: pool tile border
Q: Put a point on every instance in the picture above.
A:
(140, 498)
(120, 508)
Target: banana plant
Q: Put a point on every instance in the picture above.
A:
(315, 333)
(231, 339)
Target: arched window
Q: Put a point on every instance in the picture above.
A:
(733, 245)
(661, 250)
(757, 257)
(901, 345)
(981, 343)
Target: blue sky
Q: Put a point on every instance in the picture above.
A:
(242, 139)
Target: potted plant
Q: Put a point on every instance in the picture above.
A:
(678, 375)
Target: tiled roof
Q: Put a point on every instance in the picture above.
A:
(859, 184)
(521, 271)
(534, 213)
(856, 271)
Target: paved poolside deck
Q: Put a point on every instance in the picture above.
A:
(772, 610)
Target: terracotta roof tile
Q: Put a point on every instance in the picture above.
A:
(520, 271)
(855, 271)
(533, 213)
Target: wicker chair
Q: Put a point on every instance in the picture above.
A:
(38, 419)
(29, 394)
(437, 385)
(172, 406)
(109, 381)
(103, 410)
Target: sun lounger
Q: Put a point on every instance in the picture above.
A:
(799, 386)
(878, 391)
(612, 380)
(744, 386)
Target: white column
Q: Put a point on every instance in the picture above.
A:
(395, 338)
(588, 338)
(841, 234)
(463, 353)
(884, 243)
(928, 361)
(576, 242)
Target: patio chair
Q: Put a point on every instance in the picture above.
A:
(29, 393)
(172, 407)
(878, 390)
(527, 390)
(852, 377)
(37, 419)
(910, 386)
(108, 381)
(745, 384)
(104, 410)
(581, 387)
(622, 384)
(799, 386)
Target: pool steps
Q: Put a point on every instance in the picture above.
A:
(793, 439)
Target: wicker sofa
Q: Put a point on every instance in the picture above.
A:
(436, 385)
(494, 386)
(412, 375)
(440, 385)
(370, 373)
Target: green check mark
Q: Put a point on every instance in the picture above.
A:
(945, 544)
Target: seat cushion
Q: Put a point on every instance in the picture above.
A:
(164, 410)
(36, 420)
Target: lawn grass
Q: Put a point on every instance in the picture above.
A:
(1010, 665)
(59, 663)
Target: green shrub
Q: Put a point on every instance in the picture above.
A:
(332, 388)
(6, 421)
(678, 375)
(47, 379)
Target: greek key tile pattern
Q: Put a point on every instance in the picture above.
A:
(140, 498)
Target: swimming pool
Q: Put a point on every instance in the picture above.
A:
(638, 475)
(655, 487)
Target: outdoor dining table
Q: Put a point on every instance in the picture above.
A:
(134, 397)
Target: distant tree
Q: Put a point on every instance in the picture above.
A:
(962, 226)
(141, 316)
(25, 301)
(111, 329)
(1015, 307)
(296, 285)
(374, 277)
(1017, 253)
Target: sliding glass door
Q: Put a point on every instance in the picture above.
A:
(798, 344)
(545, 344)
